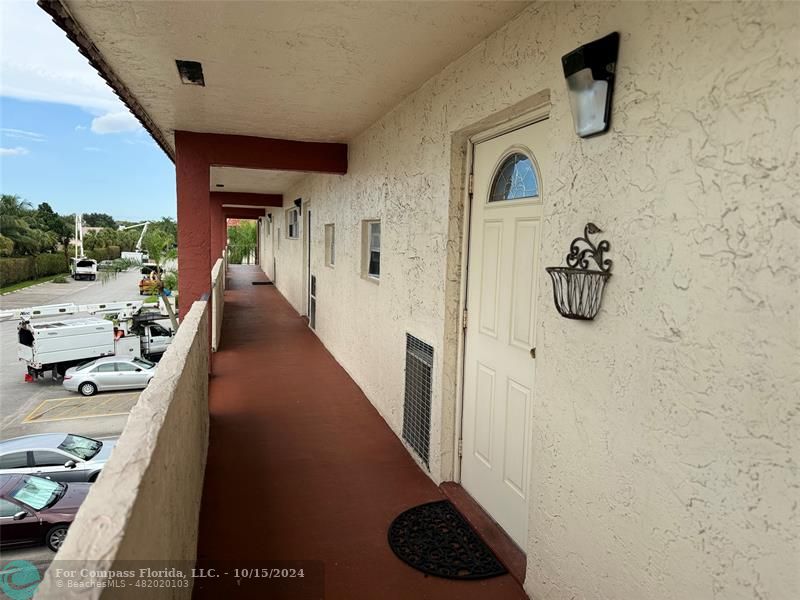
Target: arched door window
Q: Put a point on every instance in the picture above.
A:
(515, 179)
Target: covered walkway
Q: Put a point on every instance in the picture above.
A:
(301, 466)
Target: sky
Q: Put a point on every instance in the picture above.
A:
(65, 138)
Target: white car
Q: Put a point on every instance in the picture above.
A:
(110, 373)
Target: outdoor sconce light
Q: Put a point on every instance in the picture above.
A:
(269, 217)
(589, 71)
(577, 289)
(298, 203)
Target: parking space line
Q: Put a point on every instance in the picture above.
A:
(91, 404)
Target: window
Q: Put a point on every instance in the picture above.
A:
(516, 178)
(15, 460)
(8, 509)
(83, 448)
(104, 368)
(47, 458)
(371, 266)
(37, 492)
(293, 223)
(126, 367)
(145, 364)
(330, 244)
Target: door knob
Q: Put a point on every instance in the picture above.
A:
(533, 352)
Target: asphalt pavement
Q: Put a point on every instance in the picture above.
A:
(44, 405)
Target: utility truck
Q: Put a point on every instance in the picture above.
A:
(84, 268)
(49, 342)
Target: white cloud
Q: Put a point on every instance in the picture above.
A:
(80, 128)
(92, 149)
(21, 134)
(39, 63)
(116, 122)
(18, 151)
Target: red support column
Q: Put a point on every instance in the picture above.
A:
(194, 221)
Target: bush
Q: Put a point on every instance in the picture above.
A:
(51, 264)
(14, 270)
(106, 253)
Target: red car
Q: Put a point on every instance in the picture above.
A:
(34, 510)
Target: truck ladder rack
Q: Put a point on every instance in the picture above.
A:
(54, 310)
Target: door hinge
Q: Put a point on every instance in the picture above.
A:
(470, 184)
(460, 448)
(464, 319)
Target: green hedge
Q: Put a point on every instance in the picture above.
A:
(106, 253)
(14, 270)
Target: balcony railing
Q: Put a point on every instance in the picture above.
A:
(146, 503)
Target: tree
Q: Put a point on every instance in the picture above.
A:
(160, 248)
(242, 241)
(60, 227)
(99, 220)
(15, 218)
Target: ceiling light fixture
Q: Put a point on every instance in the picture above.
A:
(191, 72)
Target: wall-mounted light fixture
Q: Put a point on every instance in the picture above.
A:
(589, 71)
(298, 203)
(269, 217)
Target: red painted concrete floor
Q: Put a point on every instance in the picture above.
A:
(302, 468)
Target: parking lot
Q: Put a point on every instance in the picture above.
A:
(45, 406)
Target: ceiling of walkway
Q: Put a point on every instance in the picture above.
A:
(320, 71)
(253, 181)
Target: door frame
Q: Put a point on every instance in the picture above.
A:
(524, 117)
(305, 224)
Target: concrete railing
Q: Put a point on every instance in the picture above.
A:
(217, 302)
(146, 504)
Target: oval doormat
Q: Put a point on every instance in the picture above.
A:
(434, 538)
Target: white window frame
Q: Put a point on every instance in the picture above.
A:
(293, 223)
(330, 245)
(368, 249)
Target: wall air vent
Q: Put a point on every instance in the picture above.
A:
(417, 405)
(312, 304)
(191, 72)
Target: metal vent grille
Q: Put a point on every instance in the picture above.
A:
(312, 304)
(417, 405)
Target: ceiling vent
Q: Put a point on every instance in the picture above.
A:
(191, 72)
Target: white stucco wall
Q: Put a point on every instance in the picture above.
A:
(664, 462)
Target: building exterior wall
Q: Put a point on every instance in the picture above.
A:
(663, 431)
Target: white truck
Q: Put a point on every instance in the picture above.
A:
(47, 344)
(84, 268)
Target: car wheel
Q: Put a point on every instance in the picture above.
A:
(56, 536)
(87, 388)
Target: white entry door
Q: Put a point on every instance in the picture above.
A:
(502, 280)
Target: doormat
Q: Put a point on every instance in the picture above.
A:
(434, 538)
(261, 282)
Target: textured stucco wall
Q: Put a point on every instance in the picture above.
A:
(146, 504)
(664, 451)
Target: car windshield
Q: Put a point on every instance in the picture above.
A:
(86, 365)
(83, 448)
(145, 364)
(37, 492)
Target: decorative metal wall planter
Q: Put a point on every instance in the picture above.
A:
(577, 289)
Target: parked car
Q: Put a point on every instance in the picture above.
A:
(106, 265)
(109, 373)
(57, 456)
(34, 510)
